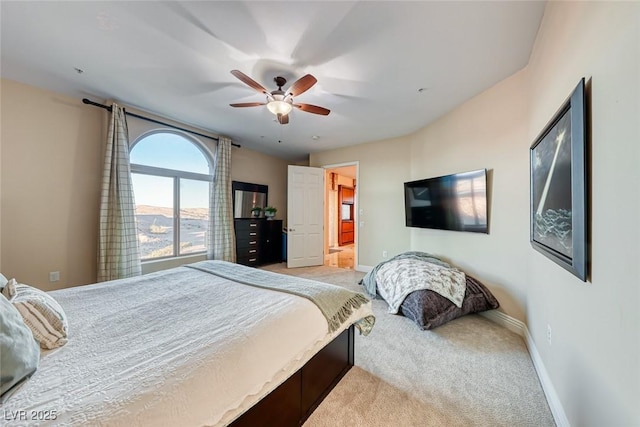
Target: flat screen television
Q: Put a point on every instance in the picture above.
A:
(453, 202)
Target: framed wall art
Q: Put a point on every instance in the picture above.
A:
(559, 187)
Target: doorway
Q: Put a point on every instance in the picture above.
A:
(341, 194)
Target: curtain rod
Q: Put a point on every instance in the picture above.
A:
(108, 108)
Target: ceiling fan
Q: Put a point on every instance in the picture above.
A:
(280, 102)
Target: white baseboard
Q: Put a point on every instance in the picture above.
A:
(511, 323)
(521, 329)
(364, 268)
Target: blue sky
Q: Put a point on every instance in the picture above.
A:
(169, 151)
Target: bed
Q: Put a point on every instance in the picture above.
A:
(210, 343)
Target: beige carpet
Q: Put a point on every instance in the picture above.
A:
(469, 372)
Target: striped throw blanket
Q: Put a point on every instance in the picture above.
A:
(336, 303)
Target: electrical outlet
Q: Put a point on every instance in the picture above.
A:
(54, 276)
(549, 333)
(384, 254)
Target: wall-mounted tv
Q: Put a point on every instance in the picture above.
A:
(453, 202)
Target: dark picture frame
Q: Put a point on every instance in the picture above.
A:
(558, 187)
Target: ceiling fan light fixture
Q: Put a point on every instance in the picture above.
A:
(279, 102)
(278, 106)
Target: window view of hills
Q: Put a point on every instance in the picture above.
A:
(155, 230)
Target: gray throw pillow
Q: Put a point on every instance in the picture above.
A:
(430, 310)
(19, 352)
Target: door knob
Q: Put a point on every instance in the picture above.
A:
(292, 229)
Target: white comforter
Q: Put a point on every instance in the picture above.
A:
(181, 347)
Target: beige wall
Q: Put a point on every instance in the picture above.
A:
(594, 359)
(51, 166)
(488, 132)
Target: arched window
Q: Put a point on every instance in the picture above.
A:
(171, 175)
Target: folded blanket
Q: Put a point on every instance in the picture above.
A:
(336, 303)
(397, 279)
(369, 280)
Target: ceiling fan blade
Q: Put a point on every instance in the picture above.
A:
(302, 85)
(249, 104)
(248, 81)
(312, 109)
(283, 119)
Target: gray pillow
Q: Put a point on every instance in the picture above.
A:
(19, 352)
(429, 309)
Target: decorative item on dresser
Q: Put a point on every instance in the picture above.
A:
(270, 212)
(258, 241)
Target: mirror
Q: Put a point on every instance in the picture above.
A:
(346, 212)
(247, 196)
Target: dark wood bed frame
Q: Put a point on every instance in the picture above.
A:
(295, 400)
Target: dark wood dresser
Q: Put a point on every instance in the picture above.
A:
(258, 241)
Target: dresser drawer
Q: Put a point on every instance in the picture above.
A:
(248, 251)
(246, 225)
(248, 243)
(251, 261)
(248, 234)
(258, 241)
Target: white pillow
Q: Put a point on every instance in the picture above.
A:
(41, 313)
(3, 281)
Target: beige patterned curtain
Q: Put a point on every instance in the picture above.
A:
(222, 241)
(118, 253)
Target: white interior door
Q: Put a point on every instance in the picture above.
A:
(305, 216)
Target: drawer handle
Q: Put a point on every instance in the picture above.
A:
(253, 242)
(252, 234)
(252, 251)
(252, 259)
(253, 225)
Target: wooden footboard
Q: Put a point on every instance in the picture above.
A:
(295, 400)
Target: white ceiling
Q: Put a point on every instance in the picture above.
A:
(370, 59)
